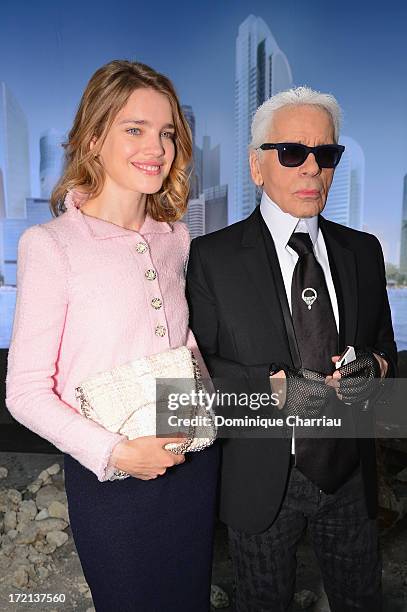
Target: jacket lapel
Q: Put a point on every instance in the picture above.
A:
(342, 262)
(262, 266)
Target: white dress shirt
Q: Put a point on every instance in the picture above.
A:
(281, 225)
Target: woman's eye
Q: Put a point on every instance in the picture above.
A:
(134, 131)
(170, 135)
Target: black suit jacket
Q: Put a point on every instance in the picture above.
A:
(241, 319)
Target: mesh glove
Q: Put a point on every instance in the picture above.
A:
(307, 394)
(360, 379)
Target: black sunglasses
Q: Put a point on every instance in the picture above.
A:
(292, 154)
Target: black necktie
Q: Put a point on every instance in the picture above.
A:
(312, 313)
(326, 461)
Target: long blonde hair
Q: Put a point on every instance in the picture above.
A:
(105, 95)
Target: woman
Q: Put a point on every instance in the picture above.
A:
(98, 286)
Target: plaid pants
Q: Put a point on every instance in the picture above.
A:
(344, 538)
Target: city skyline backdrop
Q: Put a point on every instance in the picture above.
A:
(48, 53)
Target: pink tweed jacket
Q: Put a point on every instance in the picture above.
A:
(91, 295)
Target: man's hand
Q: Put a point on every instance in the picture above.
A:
(357, 381)
(303, 392)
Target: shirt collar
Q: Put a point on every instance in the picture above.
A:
(282, 224)
(99, 228)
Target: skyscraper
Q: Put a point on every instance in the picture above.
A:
(216, 208)
(210, 176)
(195, 216)
(195, 184)
(209, 212)
(262, 70)
(346, 196)
(37, 211)
(403, 237)
(51, 161)
(14, 156)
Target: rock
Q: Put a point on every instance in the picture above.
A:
(12, 534)
(14, 496)
(27, 510)
(7, 548)
(21, 552)
(45, 547)
(58, 510)
(42, 514)
(219, 598)
(44, 475)
(20, 578)
(1, 527)
(57, 537)
(34, 487)
(3, 472)
(53, 469)
(10, 520)
(42, 572)
(36, 557)
(50, 524)
(46, 495)
(28, 535)
(305, 598)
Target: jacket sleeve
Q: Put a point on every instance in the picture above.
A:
(41, 307)
(204, 323)
(385, 335)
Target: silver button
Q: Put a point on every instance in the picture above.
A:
(141, 247)
(156, 303)
(150, 274)
(160, 330)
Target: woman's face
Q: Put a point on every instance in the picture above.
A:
(139, 147)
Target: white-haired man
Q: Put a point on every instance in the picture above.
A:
(281, 294)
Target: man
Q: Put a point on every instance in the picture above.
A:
(281, 294)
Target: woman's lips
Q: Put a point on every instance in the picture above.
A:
(149, 169)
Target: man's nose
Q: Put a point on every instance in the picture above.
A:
(310, 165)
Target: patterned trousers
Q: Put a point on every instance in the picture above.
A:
(344, 538)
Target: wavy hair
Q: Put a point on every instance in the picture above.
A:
(105, 95)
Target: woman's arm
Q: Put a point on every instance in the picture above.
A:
(39, 319)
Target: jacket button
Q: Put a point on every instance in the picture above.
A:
(141, 247)
(156, 303)
(150, 274)
(160, 330)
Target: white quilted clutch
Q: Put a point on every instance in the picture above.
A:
(123, 400)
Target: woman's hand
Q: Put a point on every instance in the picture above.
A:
(145, 457)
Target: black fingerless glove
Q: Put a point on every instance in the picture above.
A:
(360, 379)
(307, 394)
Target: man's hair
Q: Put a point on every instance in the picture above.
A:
(263, 117)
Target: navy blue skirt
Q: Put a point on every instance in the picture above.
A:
(146, 545)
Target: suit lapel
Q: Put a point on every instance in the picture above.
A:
(342, 263)
(262, 266)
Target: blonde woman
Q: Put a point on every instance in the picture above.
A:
(100, 285)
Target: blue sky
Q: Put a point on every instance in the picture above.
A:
(355, 50)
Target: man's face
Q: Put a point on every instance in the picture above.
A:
(300, 191)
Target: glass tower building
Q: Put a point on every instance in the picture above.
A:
(51, 160)
(14, 156)
(346, 197)
(403, 240)
(261, 70)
